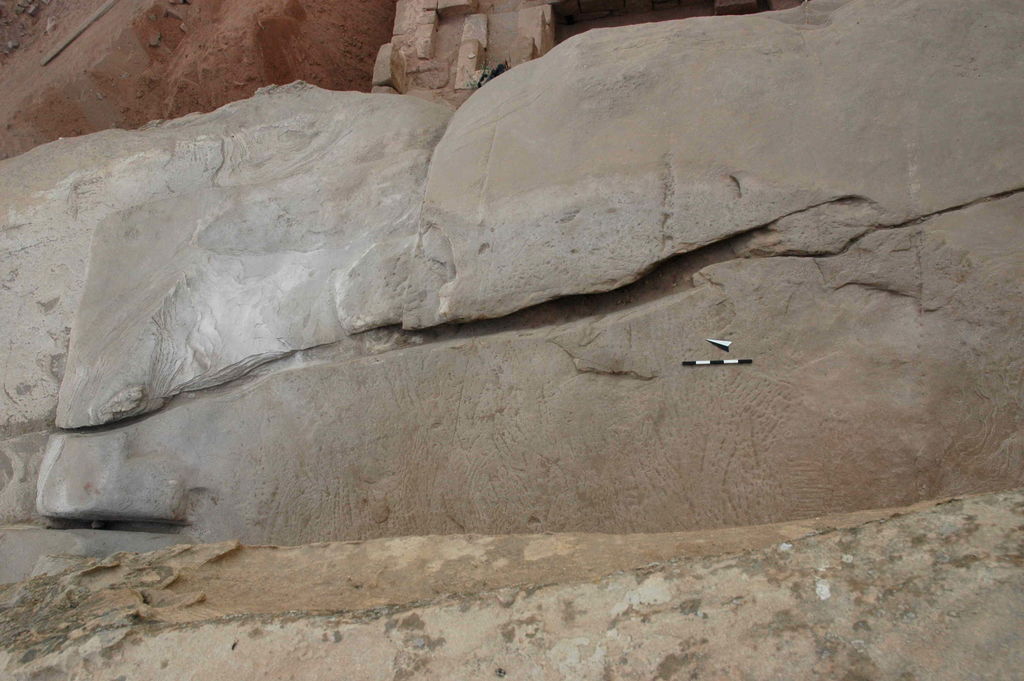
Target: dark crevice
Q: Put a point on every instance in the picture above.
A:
(114, 525)
(875, 287)
(952, 209)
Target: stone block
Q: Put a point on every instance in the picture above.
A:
(451, 8)
(523, 50)
(735, 6)
(135, 488)
(383, 90)
(475, 28)
(407, 14)
(390, 67)
(423, 40)
(399, 66)
(538, 23)
(382, 66)
(471, 60)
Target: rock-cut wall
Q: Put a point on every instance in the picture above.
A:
(315, 316)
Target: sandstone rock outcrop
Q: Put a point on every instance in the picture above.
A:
(217, 242)
(579, 171)
(857, 345)
(933, 593)
(316, 316)
(865, 251)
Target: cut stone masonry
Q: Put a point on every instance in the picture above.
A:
(442, 48)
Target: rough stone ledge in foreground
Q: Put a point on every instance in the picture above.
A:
(933, 593)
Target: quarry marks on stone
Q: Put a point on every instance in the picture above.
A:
(495, 432)
(579, 171)
(924, 594)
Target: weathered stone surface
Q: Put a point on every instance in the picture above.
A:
(19, 469)
(928, 594)
(218, 242)
(470, 61)
(424, 38)
(683, 133)
(865, 316)
(47, 214)
(456, 7)
(475, 28)
(377, 571)
(390, 67)
(860, 336)
(22, 547)
(538, 24)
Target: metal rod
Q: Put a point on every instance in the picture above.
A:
(81, 29)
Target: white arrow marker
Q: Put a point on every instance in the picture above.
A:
(720, 344)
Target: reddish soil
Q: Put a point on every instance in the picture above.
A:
(151, 59)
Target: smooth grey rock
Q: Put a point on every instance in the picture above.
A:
(886, 370)
(207, 231)
(23, 547)
(579, 171)
(262, 231)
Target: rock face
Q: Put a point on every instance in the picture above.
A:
(858, 342)
(579, 171)
(929, 594)
(222, 241)
(864, 249)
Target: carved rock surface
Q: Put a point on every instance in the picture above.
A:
(579, 171)
(931, 593)
(577, 416)
(217, 242)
